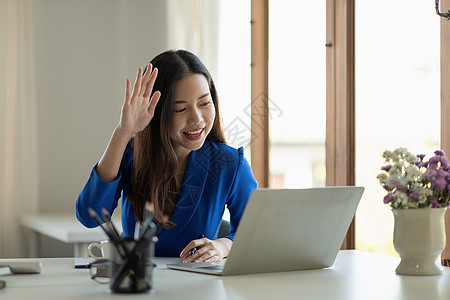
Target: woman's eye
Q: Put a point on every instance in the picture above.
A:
(206, 103)
(180, 110)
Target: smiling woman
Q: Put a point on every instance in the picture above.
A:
(168, 149)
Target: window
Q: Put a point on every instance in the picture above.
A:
(297, 93)
(397, 101)
(233, 80)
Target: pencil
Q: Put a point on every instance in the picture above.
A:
(94, 215)
(107, 219)
(116, 237)
(108, 232)
(147, 220)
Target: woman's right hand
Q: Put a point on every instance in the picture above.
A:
(137, 112)
(138, 109)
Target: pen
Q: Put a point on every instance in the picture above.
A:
(192, 252)
(149, 214)
(109, 224)
(117, 241)
(109, 230)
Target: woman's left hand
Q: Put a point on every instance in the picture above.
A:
(206, 250)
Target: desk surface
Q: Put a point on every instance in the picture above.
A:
(65, 228)
(355, 275)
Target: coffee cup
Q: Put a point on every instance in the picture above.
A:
(104, 248)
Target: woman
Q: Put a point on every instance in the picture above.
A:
(168, 149)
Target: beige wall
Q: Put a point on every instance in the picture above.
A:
(84, 50)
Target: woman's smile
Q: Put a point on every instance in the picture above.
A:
(195, 134)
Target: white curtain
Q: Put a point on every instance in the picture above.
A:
(193, 25)
(18, 125)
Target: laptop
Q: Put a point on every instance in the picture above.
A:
(287, 230)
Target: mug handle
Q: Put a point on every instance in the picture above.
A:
(90, 247)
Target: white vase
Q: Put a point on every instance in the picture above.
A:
(419, 238)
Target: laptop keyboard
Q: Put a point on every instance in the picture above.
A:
(210, 267)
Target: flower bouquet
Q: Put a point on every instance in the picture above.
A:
(412, 182)
(418, 192)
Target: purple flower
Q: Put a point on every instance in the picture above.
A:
(439, 183)
(439, 158)
(434, 160)
(434, 203)
(421, 156)
(388, 198)
(394, 183)
(432, 165)
(442, 173)
(420, 164)
(403, 188)
(431, 173)
(444, 161)
(439, 152)
(414, 196)
(386, 168)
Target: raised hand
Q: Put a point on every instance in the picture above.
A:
(138, 109)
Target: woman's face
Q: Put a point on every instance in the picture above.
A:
(193, 114)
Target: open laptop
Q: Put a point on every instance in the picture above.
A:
(287, 230)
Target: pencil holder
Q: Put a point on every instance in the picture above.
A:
(132, 268)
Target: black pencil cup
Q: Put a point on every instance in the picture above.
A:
(132, 269)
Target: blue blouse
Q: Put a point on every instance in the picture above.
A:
(216, 176)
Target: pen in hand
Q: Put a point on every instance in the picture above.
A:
(192, 252)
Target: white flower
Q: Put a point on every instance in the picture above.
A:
(396, 171)
(411, 158)
(382, 177)
(412, 173)
(387, 155)
(424, 193)
(399, 152)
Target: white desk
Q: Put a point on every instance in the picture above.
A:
(64, 228)
(355, 275)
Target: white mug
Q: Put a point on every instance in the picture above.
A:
(103, 246)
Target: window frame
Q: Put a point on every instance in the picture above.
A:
(340, 94)
(445, 107)
(340, 116)
(260, 91)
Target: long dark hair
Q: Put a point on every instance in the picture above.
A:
(154, 160)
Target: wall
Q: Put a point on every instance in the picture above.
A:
(84, 51)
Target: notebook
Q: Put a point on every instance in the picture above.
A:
(21, 267)
(287, 230)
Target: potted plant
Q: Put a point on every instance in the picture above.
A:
(418, 192)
